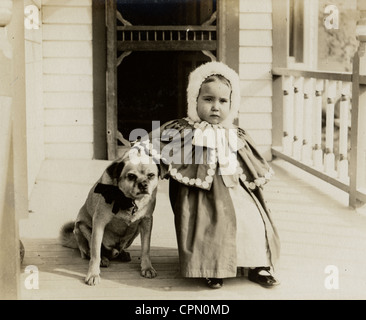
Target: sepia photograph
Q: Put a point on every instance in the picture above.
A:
(182, 156)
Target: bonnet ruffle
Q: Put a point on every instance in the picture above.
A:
(195, 81)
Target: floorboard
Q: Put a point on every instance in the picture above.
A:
(317, 230)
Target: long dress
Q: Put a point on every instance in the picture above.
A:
(221, 221)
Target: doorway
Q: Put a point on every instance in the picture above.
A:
(151, 87)
(158, 44)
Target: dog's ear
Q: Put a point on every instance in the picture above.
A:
(115, 169)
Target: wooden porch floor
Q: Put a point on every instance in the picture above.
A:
(316, 227)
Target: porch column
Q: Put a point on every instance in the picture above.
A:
(9, 252)
(358, 154)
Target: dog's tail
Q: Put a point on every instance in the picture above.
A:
(67, 237)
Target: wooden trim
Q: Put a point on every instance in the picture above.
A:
(354, 130)
(99, 81)
(362, 80)
(181, 45)
(277, 112)
(228, 27)
(297, 37)
(187, 28)
(280, 32)
(111, 78)
(16, 38)
(13, 195)
(357, 161)
(336, 76)
(219, 24)
(361, 196)
(9, 254)
(335, 182)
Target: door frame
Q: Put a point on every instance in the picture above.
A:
(226, 46)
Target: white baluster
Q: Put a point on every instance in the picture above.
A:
(329, 158)
(317, 125)
(298, 117)
(343, 131)
(308, 123)
(288, 115)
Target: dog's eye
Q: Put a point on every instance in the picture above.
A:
(131, 176)
(151, 176)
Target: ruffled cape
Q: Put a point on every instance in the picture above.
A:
(174, 147)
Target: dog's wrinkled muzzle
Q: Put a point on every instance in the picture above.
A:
(143, 187)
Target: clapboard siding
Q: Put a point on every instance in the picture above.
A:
(68, 79)
(264, 6)
(256, 105)
(67, 15)
(68, 117)
(68, 3)
(255, 55)
(66, 100)
(67, 83)
(67, 49)
(257, 71)
(256, 88)
(34, 105)
(67, 32)
(255, 38)
(74, 151)
(261, 136)
(256, 121)
(255, 65)
(71, 134)
(256, 21)
(72, 66)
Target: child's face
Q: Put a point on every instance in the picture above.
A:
(213, 103)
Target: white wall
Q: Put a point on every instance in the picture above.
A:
(255, 65)
(67, 79)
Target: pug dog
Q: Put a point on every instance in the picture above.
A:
(117, 209)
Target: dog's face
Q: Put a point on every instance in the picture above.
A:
(135, 180)
(138, 180)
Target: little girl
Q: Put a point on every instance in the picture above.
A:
(221, 218)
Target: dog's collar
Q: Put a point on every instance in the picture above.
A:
(114, 194)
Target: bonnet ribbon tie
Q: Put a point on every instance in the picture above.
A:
(224, 141)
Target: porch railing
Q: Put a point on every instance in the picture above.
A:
(318, 126)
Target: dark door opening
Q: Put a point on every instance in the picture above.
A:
(151, 85)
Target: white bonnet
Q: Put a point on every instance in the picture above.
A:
(195, 80)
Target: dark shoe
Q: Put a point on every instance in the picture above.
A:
(214, 283)
(262, 276)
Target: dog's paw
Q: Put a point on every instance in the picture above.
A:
(92, 279)
(124, 256)
(104, 262)
(149, 273)
(114, 253)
